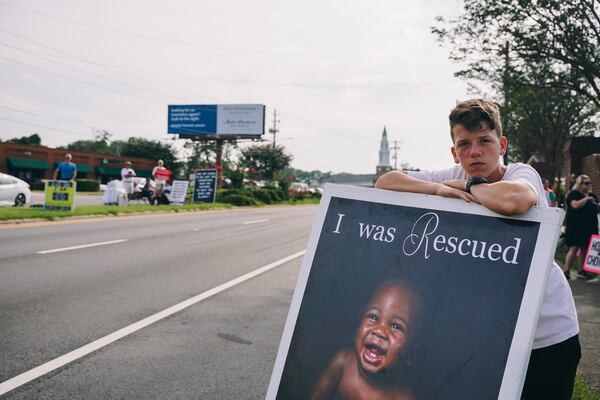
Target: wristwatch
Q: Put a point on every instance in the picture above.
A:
(474, 180)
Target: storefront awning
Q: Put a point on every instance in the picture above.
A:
(28, 163)
(142, 173)
(108, 171)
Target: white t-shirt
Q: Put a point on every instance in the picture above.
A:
(558, 316)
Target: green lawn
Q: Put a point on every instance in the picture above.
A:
(17, 213)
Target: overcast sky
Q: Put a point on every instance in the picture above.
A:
(336, 71)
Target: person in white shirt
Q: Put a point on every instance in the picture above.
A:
(127, 175)
(159, 174)
(479, 177)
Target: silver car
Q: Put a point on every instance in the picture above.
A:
(14, 191)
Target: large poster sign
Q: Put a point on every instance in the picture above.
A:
(415, 297)
(59, 195)
(223, 120)
(205, 185)
(178, 191)
(592, 257)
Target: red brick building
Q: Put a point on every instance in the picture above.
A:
(33, 163)
(582, 156)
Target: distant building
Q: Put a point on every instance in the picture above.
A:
(34, 163)
(384, 155)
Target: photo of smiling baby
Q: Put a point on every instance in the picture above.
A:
(369, 369)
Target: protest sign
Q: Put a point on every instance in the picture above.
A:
(466, 284)
(205, 185)
(592, 257)
(59, 195)
(178, 191)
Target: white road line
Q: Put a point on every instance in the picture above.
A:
(256, 221)
(83, 246)
(63, 360)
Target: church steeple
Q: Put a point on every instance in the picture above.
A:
(384, 154)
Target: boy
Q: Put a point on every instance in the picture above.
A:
(379, 345)
(479, 177)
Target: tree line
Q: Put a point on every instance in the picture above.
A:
(539, 60)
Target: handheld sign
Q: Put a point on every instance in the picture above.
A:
(59, 195)
(178, 192)
(592, 258)
(163, 174)
(406, 295)
(205, 185)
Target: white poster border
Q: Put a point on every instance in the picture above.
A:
(550, 220)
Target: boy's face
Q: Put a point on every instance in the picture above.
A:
(478, 152)
(384, 329)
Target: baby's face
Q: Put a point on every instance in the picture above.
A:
(384, 329)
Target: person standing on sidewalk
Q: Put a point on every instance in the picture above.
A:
(479, 177)
(581, 223)
(160, 175)
(66, 170)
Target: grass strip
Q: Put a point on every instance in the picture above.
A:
(15, 213)
(583, 391)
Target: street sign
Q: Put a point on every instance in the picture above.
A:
(205, 185)
(59, 195)
(217, 121)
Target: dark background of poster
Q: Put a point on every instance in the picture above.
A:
(470, 306)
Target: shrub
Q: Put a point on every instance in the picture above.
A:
(39, 185)
(88, 185)
(278, 194)
(264, 195)
(237, 200)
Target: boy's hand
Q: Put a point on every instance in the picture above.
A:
(445, 190)
(460, 184)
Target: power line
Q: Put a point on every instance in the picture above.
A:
(78, 80)
(26, 51)
(181, 42)
(40, 126)
(101, 65)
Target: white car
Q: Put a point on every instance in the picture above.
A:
(14, 191)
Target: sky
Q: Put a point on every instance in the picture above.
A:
(337, 72)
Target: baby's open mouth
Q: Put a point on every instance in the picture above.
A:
(373, 354)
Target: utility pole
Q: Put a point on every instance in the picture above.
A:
(274, 129)
(396, 147)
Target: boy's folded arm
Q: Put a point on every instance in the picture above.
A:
(505, 197)
(402, 182)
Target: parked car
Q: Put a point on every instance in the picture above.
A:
(14, 191)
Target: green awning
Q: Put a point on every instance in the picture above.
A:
(28, 163)
(143, 173)
(108, 171)
(81, 168)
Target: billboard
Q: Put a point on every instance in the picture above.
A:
(217, 121)
(414, 296)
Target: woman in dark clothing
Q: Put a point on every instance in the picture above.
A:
(582, 221)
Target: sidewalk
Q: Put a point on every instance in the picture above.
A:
(587, 301)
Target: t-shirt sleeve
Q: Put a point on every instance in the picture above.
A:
(526, 174)
(573, 195)
(439, 175)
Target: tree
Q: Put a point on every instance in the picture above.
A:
(100, 144)
(265, 160)
(32, 140)
(544, 100)
(563, 34)
(150, 149)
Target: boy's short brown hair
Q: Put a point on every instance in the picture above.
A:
(472, 113)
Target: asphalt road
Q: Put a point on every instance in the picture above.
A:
(219, 348)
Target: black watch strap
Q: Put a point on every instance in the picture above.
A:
(474, 180)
